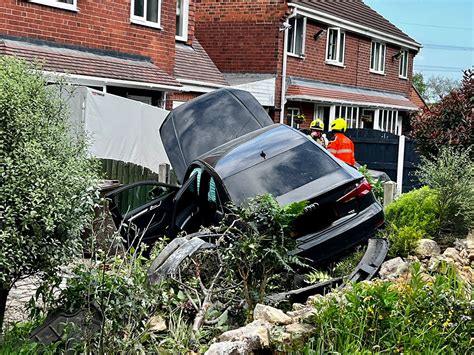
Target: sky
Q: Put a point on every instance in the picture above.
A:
(444, 27)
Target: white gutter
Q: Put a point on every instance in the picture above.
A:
(311, 98)
(95, 80)
(354, 27)
(283, 69)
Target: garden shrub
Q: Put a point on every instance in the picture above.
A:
(418, 209)
(404, 240)
(409, 316)
(48, 183)
(451, 175)
(413, 216)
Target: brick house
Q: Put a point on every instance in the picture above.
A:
(133, 48)
(320, 58)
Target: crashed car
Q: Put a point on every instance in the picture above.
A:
(224, 148)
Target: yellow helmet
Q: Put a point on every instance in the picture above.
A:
(339, 124)
(317, 124)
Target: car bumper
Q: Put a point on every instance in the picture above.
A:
(341, 235)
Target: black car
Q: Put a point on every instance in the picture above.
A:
(224, 147)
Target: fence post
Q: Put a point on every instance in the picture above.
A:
(389, 189)
(164, 173)
(400, 163)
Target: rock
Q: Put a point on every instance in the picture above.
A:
(303, 314)
(297, 306)
(256, 335)
(271, 315)
(157, 324)
(427, 248)
(453, 254)
(393, 267)
(314, 299)
(229, 348)
(298, 331)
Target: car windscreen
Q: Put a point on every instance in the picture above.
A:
(282, 173)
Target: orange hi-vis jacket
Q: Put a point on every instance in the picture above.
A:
(342, 148)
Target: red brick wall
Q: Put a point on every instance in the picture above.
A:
(98, 24)
(356, 70)
(416, 99)
(241, 35)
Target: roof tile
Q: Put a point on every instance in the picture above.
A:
(296, 92)
(193, 63)
(354, 11)
(74, 61)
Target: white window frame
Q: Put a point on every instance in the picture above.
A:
(389, 121)
(351, 114)
(338, 47)
(59, 5)
(185, 16)
(292, 51)
(382, 55)
(403, 67)
(141, 20)
(294, 111)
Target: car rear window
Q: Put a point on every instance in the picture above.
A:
(282, 173)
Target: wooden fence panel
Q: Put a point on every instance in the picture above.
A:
(126, 173)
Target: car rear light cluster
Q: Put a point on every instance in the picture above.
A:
(362, 189)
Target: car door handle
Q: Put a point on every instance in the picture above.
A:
(155, 206)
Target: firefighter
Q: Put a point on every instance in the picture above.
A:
(317, 128)
(341, 147)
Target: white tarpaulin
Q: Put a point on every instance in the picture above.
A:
(119, 128)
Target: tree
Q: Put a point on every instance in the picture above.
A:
(449, 122)
(420, 85)
(47, 181)
(439, 86)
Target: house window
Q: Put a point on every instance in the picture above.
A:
(182, 9)
(377, 58)
(389, 121)
(403, 71)
(335, 46)
(146, 12)
(296, 36)
(293, 113)
(143, 99)
(351, 115)
(62, 4)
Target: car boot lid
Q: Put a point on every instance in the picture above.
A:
(207, 122)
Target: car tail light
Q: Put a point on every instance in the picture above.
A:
(362, 189)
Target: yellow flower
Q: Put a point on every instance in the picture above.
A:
(380, 317)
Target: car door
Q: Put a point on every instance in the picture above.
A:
(186, 206)
(142, 211)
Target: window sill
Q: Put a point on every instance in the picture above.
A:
(377, 72)
(403, 77)
(181, 38)
(146, 23)
(336, 64)
(299, 56)
(58, 5)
